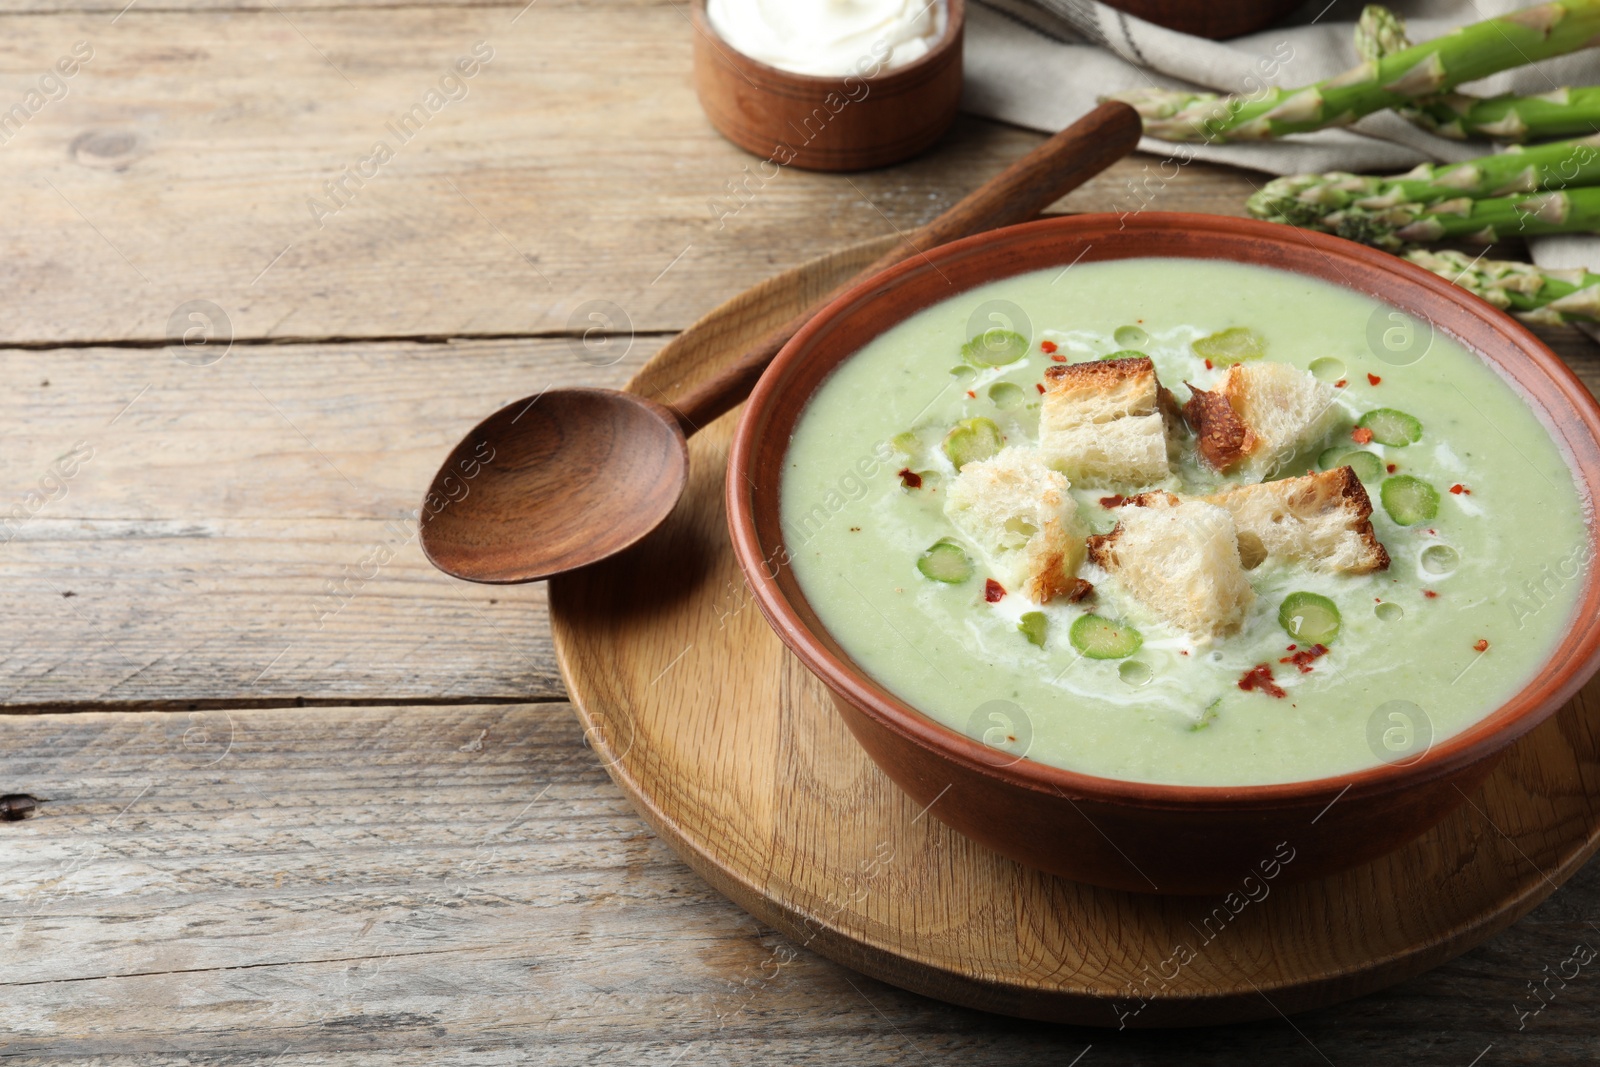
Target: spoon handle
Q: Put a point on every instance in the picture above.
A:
(1015, 195)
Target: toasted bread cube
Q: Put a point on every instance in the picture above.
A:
(1260, 416)
(1018, 512)
(1103, 423)
(1180, 559)
(1323, 521)
(1220, 435)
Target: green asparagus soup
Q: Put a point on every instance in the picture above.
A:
(1328, 672)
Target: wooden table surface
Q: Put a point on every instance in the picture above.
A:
(306, 800)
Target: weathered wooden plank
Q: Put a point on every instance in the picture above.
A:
(244, 531)
(553, 182)
(407, 885)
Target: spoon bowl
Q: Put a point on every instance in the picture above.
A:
(516, 500)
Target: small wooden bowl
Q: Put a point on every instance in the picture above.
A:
(1216, 19)
(843, 123)
(1139, 836)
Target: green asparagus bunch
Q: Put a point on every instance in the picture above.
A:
(1307, 200)
(1532, 293)
(1396, 79)
(1483, 221)
(1508, 117)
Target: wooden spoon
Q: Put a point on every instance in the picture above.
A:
(572, 476)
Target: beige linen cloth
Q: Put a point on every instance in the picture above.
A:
(1043, 63)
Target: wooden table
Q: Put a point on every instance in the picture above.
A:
(306, 799)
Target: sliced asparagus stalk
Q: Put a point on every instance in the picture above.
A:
(1309, 617)
(1100, 638)
(995, 348)
(1307, 200)
(1367, 466)
(1006, 395)
(1423, 70)
(1391, 427)
(1236, 344)
(1508, 117)
(945, 561)
(1485, 221)
(1409, 500)
(1034, 626)
(1131, 337)
(970, 440)
(1207, 715)
(1533, 294)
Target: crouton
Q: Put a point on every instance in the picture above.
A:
(1260, 416)
(1103, 423)
(1320, 520)
(1018, 512)
(1222, 438)
(1180, 559)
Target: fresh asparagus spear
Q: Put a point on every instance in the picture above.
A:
(1307, 199)
(1533, 294)
(1485, 221)
(1380, 32)
(1508, 117)
(1428, 69)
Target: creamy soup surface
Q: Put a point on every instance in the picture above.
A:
(1472, 603)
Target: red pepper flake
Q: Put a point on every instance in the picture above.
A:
(1039, 386)
(1304, 658)
(993, 591)
(1458, 489)
(1391, 468)
(1481, 645)
(1373, 379)
(1341, 383)
(1047, 346)
(1259, 678)
(972, 394)
(1430, 594)
(1109, 502)
(910, 478)
(1361, 435)
(1059, 358)
(1208, 364)
(1291, 648)
(1183, 651)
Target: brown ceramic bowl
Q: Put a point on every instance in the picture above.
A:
(843, 123)
(1124, 834)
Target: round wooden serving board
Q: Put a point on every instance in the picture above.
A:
(734, 754)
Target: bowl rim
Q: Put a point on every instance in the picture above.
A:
(954, 27)
(1558, 679)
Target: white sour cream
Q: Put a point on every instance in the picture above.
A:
(830, 38)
